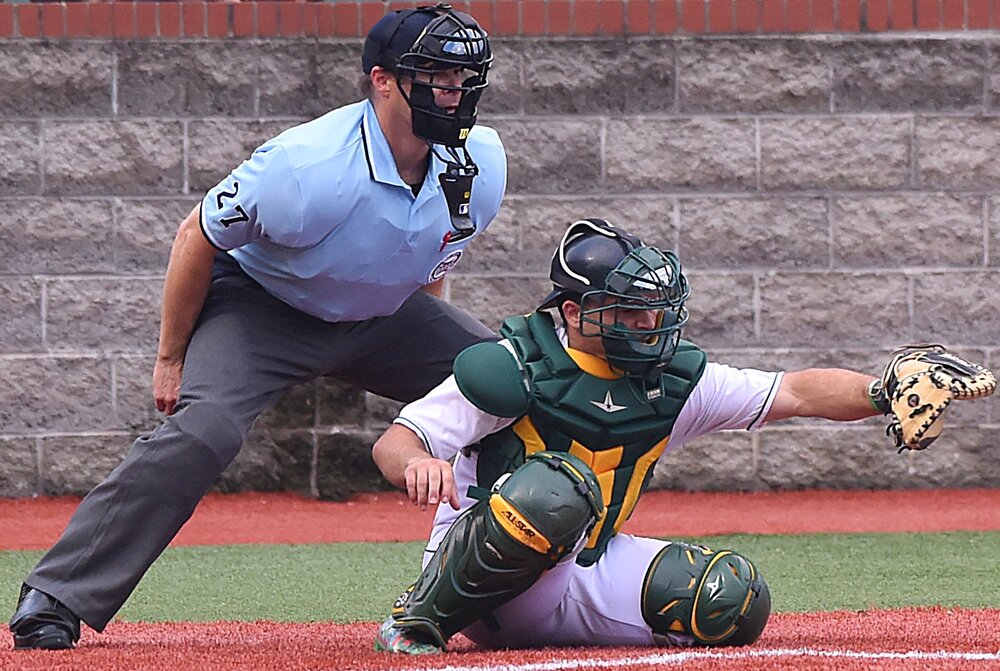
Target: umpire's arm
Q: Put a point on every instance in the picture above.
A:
(830, 393)
(189, 274)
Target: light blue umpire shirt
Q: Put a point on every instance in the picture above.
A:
(320, 217)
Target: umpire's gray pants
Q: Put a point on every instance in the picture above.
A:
(247, 348)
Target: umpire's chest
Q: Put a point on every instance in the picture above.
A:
(386, 236)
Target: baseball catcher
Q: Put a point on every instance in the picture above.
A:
(539, 446)
(918, 385)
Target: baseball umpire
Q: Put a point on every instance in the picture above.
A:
(322, 254)
(554, 432)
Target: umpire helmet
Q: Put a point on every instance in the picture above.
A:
(608, 272)
(425, 41)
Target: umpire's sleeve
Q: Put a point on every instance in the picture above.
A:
(260, 198)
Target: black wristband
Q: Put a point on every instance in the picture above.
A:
(877, 398)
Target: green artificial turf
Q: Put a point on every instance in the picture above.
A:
(349, 582)
(818, 572)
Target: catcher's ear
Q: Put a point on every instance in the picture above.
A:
(571, 313)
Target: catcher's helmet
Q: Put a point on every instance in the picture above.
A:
(425, 41)
(716, 598)
(608, 272)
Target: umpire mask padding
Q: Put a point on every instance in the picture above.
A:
(452, 40)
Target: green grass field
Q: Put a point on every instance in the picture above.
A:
(351, 582)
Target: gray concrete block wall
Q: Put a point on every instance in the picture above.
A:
(830, 197)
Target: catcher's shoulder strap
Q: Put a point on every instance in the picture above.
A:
(534, 340)
(536, 345)
(489, 376)
(684, 370)
(496, 377)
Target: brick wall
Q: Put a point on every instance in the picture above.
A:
(57, 20)
(833, 192)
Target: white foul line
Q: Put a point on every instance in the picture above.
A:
(693, 655)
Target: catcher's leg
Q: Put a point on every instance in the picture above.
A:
(496, 550)
(692, 594)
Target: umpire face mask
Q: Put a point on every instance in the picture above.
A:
(451, 54)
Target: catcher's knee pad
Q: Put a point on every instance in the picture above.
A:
(500, 546)
(715, 598)
(548, 502)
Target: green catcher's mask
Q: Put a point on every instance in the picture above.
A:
(717, 598)
(614, 276)
(646, 280)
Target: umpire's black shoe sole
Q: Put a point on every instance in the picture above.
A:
(42, 622)
(44, 637)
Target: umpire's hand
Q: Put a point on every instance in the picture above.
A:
(167, 384)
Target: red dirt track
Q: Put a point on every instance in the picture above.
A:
(903, 640)
(35, 524)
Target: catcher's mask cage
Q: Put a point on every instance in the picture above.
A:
(611, 274)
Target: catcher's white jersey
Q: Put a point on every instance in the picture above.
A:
(571, 604)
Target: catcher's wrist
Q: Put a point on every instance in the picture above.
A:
(877, 399)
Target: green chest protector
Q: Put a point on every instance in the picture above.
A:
(614, 425)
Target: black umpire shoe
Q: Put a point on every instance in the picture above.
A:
(42, 622)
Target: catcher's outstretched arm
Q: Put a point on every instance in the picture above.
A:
(831, 393)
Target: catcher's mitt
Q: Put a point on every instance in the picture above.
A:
(918, 384)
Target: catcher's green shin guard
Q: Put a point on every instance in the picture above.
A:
(716, 598)
(499, 547)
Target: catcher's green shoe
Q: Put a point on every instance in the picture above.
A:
(402, 640)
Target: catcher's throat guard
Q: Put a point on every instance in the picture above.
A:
(917, 386)
(500, 546)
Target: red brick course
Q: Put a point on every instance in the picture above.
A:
(346, 18)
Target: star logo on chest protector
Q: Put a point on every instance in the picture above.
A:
(608, 405)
